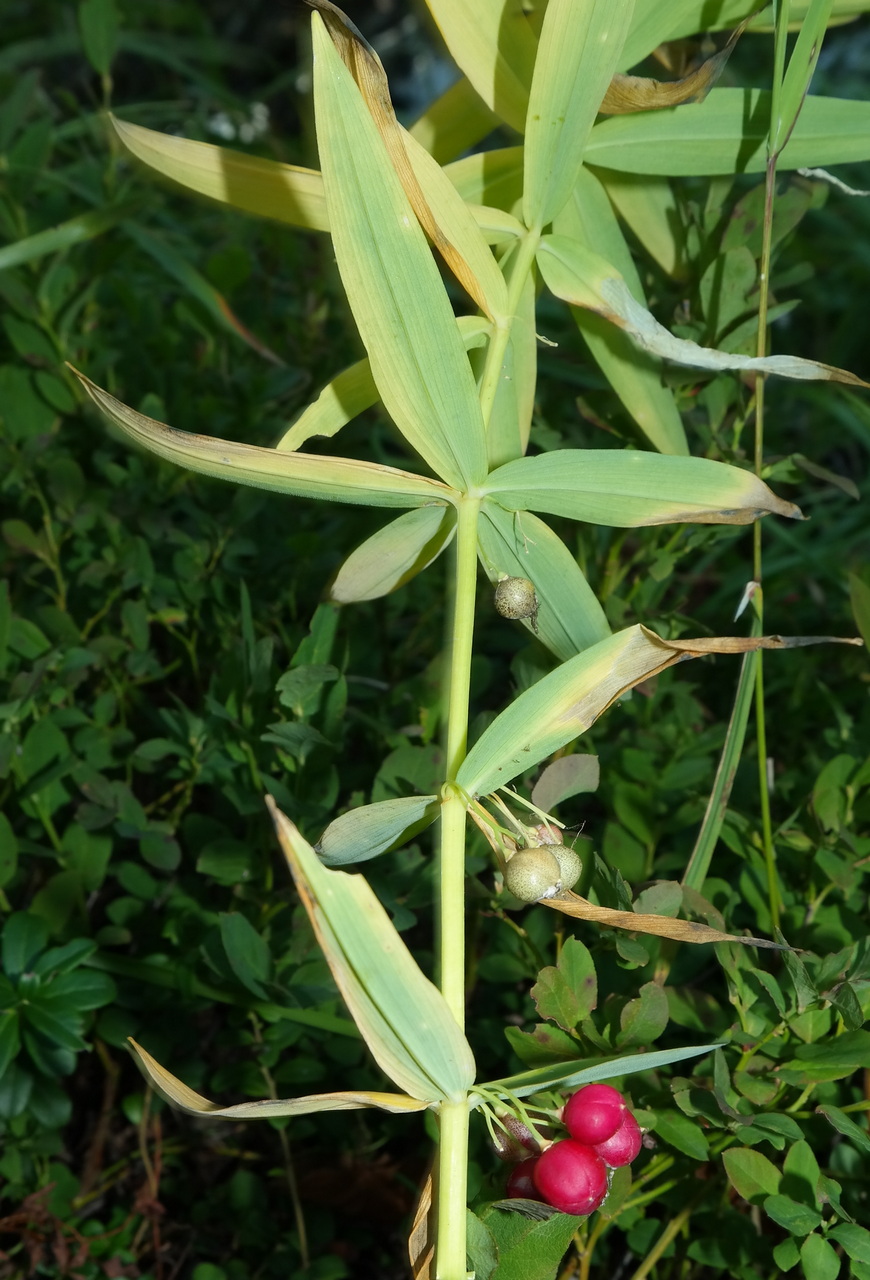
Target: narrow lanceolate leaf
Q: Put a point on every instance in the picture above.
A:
(195, 283)
(442, 214)
(570, 1075)
(728, 133)
(494, 45)
(570, 618)
(566, 702)
(641, 93)
(304, 475)
(365, 832)
(353, 390)
(635, 377)
(185, 1099)
(570, 904)
(581, 41)
(264, 187)
(402, 1016)
(83, 227)
(454, 123)
(392, 282)
(799, 72)
(582, 277)
(628, 488)
(394, 555)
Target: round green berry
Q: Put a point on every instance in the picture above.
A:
(533, 874)
(515, 598)
(569, 862)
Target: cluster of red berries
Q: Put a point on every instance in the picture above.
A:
(572, 1174)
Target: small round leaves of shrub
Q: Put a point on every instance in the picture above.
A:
(533, 874)
(571, 1177)
(569, 862)
(594, 1113)
(515, 598)
(623, 1146)
(521, 1183)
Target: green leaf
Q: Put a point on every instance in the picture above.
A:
(392, 283)
(567, 993)
(799, 73)
(727, 133)
(644, 1019)
(628, 489)
(786, 1254)
(801, 1175)
(570, 1075)
(831, 1060)
(54, 240)
(796, 1218)
(570, 617)
(394, 555)
(578, 54)
(58, 1027)
(246, 951)
(98, 23)
(565, 777)
(843, 1124)
(24, 936)
(854, 1239)
(494, 45)
(682, 1133)
(859, 598)
(372, 829)
(306, 475)
(180, 1096)
(751, 1174)
(403, 1017)
(482, 1250)
(10, 1040)
(819, 1259)
(528, 1249)
(8, 843)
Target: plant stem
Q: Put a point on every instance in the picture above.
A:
(453, 1117)
(517, 270)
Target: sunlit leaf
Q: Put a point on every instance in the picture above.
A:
(301, 474)
(402, 1016)
(454, 122)
(570, 1075)
(392, 282)
(494, 45)
(194, 1104)
(727, 133)
(578, 53)
(580, 276)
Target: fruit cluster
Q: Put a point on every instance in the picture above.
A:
(572, 1174)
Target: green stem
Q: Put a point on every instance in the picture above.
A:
(521, 263)
(453, 1117)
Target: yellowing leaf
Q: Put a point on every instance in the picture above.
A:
(640, 93)
(284, 192)
(194, 1104)
(566, 702)
(302, 474)
(570, 904)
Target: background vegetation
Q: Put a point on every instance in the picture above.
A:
(167, 661)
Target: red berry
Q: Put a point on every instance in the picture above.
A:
(624, 1146)
(594, 1113)
(571, 1177)
(520, 1185)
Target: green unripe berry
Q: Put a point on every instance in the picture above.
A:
(533, 874)
(569, 862)
(515, 598)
